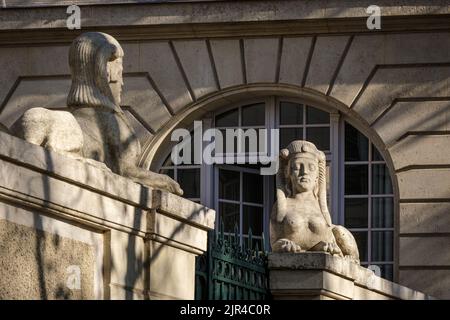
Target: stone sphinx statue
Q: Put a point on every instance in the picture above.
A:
(95, 129)
(300, 220)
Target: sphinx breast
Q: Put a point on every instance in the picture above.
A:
(298, 223)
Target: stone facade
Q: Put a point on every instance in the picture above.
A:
(126, 240)
(183, 60)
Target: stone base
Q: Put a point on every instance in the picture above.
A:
(69, 230)
(320, 276)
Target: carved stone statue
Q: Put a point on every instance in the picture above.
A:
(95, 127)
(300, 220)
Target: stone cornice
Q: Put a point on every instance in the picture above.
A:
(228, 30)
(218, 19)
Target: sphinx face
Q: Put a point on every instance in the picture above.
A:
(304, 174)
(115, 69)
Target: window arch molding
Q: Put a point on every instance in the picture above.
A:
(241, 96)
(222, 99)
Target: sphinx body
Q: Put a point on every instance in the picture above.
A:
(95, 129)
(300, 220)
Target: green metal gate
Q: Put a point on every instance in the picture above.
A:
(230, 271)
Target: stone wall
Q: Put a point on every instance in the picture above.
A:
(126, 241)
(185, 59)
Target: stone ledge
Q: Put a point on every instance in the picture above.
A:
(79, 190)
(337, 277)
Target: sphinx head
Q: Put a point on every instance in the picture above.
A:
(95, 61)
(304, 167)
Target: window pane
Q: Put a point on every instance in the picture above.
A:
(291, 113)
(361, 241)
(381, 181)
(287, 135)
(387, 271)
(356, 179)
(254, 115)
(320, 137)
(316, 116)
(382, 246)
(168, 172)
(229, 185)
(228, 119)
(189, 180)
(229, 216)
(376, 156)
(252, 218)
(356, 145)
(382, 212)
(253, 188)
(356, 213)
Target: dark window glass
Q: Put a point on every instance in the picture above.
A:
(229, 183)
(253, 188)
(387, 271)
(361, 241)
(287, 135)
(356, 145)
(228, 119)
(254, 115)
(189, 180)
(291, 113)
(252, 218)
(316, 116)
(320, 137)
(376, 156)
(356, 179)
(356, 213)
(381, 181)
(382, 248)
(382, 212)
(229, 216)
(168, 172)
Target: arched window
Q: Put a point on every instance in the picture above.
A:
(360, 194)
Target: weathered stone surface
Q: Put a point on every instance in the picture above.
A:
(214, 12)
(435, 282)
(421, 150)
(293, 59)
(34, 264)
(141, 132)
(413, 116)
(325, 60)
(424, 251)
(261, 59)
(157, 59)
(425, 217)
(143, 99)
(368, 51)
(196, 63)
(228, 61)
(424, 183)
(392, 83)
(136, 246)
(44, 93)
(317, 275)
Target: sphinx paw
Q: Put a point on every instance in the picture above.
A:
(286, 245)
